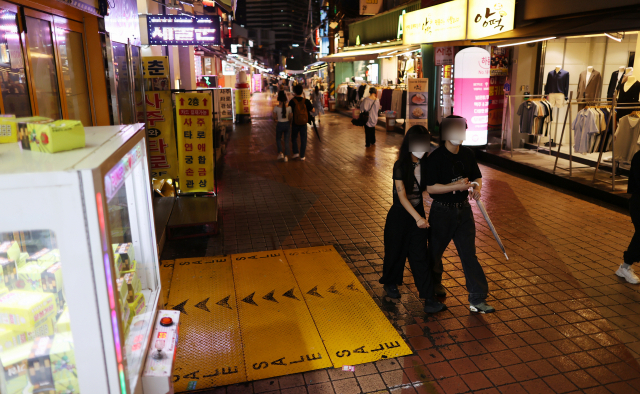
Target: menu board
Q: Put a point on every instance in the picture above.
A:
(417, 102)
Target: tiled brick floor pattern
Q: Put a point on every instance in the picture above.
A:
(564, 322)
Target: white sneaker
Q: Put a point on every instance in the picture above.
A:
(628, 274)
(295, 156)
(302, 158)
(280, 156)
(286, 159)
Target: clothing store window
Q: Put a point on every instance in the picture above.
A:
(13, 80)
(43, 68)
(74, 75)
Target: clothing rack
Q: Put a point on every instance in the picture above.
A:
(589, 103)
(614, 163)
(536, 97)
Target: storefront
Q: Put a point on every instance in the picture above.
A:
(51, 62)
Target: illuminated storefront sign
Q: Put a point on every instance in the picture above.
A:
(183, 30)
(489, 17)
(442, 22)
(471, 94)
(453, 21)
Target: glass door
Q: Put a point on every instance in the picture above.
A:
(123, 83)
(14, 91)
(44, 68)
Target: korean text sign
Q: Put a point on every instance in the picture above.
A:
(163, 158)
(156, 66)
(490, 17)
(195, 141)
(442, 22)
(183, 30)
(471, 94)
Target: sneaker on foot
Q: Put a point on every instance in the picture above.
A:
(295, 156)
(482, 308)
(286, 159)
(432, 306)
(280, 156)
(302, 158)
(392, 291)
(439, 290)
(628, 274)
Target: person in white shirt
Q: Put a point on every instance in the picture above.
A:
(371, 104)
(282, 115)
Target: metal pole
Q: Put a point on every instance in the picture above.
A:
(562, 135)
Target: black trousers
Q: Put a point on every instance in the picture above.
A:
(403, 239)
(632, 255)
(369, 135)
(457, 224)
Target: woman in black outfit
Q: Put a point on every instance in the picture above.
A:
(405, 231)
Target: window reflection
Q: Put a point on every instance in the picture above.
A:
(74, 73)
(43, 68)
(13, 80)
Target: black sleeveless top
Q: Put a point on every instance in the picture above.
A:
(631, 96)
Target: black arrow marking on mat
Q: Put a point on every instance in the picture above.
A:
(203, 305)
(333, 289)
(290, 294)
(314, 292)
(180, 307)
(353, 287)
(269, 297)
(224, 302)
(249, 299)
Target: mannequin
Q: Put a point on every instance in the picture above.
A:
(558, 68)
(629, 93)
(589, 86)
(616, 79)
(557, 86)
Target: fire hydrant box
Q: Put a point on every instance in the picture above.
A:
(51, 137)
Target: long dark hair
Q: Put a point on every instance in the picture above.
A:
(282, 99)
(415, 133)
(317, 90)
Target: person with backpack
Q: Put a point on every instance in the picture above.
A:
(372, 105)
(301, 108)
(282, 115)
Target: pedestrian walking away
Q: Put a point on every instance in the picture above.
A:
(449, 169)
(632, 254)
(372, 105)
(405, 230)
(318, 102)
(301, 108)
(282, 115)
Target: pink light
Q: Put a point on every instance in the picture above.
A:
(107, 270)
(116, 335)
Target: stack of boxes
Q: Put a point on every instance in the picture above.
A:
(132, 300)
(36, 346)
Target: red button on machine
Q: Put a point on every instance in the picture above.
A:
(166, 321)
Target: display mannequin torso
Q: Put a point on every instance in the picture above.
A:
(589, 72)
(558, 68)
(630, 81)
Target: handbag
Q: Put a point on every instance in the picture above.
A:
(363, 118)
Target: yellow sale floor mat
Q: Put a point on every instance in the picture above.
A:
(209, 345)
(352, 326)
(258, 315)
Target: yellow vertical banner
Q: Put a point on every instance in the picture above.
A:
(163, 156)
(155, 66)
(195, 141)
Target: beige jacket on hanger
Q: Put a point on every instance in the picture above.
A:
(590, 90)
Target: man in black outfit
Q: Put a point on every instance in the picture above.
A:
(632, 255)
(449, 171)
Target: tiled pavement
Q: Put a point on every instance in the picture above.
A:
(564, 321)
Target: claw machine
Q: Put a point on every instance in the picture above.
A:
(79, 278)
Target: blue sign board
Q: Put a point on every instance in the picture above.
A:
(183, 30)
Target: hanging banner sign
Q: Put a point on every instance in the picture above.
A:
(490, 17)
(163, 157)
(183, 30)
(444, 56)
(155, 66)
(194, 113)
(417, 102)
(471, 94)
(442, 22)
(370, 7)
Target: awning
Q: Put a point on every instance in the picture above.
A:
(369, 54)
(314, 67)
(603, 22)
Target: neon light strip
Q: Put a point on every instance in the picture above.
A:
(112, 303)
